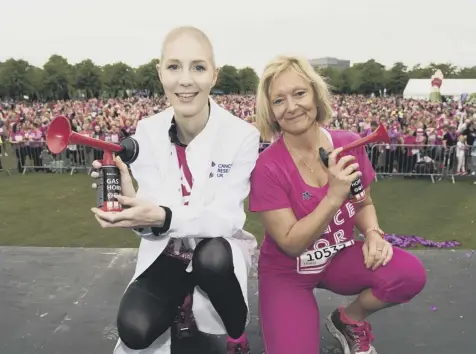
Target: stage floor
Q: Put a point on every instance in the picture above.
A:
(64, 301)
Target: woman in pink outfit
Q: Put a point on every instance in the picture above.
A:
(309, 222)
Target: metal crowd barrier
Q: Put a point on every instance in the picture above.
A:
(409, 161)
(414, 161)
(435, 162)
(37, 157)
(76, 158)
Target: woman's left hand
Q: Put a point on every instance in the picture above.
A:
(377, 251)
(139, 213)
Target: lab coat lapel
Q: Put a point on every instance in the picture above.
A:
(199, 154)
(168, 181)
(199, 158)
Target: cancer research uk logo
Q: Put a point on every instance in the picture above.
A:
(220, 170)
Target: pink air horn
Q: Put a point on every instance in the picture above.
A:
(380, 135)
(60, 134)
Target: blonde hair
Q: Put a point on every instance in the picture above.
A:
(265, 119)
(190, 30)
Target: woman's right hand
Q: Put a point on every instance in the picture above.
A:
(127, 187)
(341, 175)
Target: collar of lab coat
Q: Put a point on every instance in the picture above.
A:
(198, 153)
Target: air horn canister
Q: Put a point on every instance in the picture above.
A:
(60, 135)
(357, 193)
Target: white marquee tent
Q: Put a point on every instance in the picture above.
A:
(421, 88)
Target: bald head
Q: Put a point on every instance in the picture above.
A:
(189, 31)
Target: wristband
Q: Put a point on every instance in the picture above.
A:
(157, 231)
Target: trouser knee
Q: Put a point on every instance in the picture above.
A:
(416, 281)
(136, 335)
(139, 329)
(212, 260)
(404, 284)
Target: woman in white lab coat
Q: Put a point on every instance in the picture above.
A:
(193, 174)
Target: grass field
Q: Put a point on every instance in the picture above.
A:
(39, 209)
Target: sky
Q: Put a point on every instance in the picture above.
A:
(244, 32)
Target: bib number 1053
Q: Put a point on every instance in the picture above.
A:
(313, 261)
(317, 255)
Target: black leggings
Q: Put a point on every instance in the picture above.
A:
(150, 304)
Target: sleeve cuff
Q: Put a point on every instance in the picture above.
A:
(143, 232)
(183, 216)
(157, 231)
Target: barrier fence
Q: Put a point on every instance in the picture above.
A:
(36, 157)
(434, 162)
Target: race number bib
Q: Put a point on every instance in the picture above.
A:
(315, 261)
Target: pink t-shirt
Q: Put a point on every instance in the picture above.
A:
(409, 140)
(277, 184)
(420, 136)
(182, 253)
(187, 179)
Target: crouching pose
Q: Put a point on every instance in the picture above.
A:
(193, 174)
(309, 222)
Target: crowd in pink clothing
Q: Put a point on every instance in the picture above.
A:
(409, 122)
(418, 129)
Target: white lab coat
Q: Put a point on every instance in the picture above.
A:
(220, 159)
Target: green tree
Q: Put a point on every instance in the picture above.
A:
(58, 78)
(147, 78)
(248, 80)
(467, 73)
(118, 79)
(87, 78)
(397, 78)
(228, 80)
(335, 79)
(419, 72)
(15, 81)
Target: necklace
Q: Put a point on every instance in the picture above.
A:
(310, 168)
(307, 165)
(301, 157)
(317, 138)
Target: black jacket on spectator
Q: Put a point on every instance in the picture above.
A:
(451, 140)
(470, 134)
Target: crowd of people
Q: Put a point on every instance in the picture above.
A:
(194, 258)
(438, 136)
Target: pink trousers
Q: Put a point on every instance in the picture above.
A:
(289, 313)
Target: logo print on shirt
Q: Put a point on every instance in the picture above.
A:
(223, 169)
(306, 196)
(339, 236)
(337, 218)
(321, 243)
